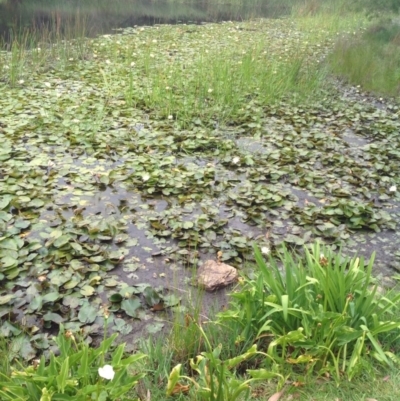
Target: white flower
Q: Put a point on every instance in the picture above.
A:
(210, 90)
(236, 160)
(265, 250)
(145, 177)
(108, 62)
(132, 64)
(170, 117)
(393, 188)
(107, 372)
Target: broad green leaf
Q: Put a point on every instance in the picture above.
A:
(87, 313)
(130, 306)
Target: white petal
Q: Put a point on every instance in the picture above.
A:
(107, 372)
(265, 250)
(236, 160)
(393, 188)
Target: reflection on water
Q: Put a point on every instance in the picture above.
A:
(103, 16)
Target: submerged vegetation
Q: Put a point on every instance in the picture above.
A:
(129, 159)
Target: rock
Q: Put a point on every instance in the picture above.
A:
(213, 275)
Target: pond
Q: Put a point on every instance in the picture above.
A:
(102, 16)
(128, 159)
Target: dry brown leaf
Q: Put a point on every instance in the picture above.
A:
(276, 396)
(158, 307)
(180, 388)
(386, 378)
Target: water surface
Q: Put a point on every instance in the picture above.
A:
(101, 16)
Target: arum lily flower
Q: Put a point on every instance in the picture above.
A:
(107, 372)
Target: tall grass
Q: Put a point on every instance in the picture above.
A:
(220, 84)
(371, 60)
(44, 46)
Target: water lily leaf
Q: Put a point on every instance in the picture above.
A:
(56, 233)
(87, 313)
(36, 203)
(130, 267)
(36, 303)
(155, 327)
(21, 346)
(8, 261)
(111, 282)
(51, 297)
(151, 296)
(53, 317)
(5, 201)
(171, 300)
(72, 283)
(8, 330)
(22, 224)
(14, 243)
(72, 301)
(61, 241)
(187, 224)
(76, 264)
(5, 216)
(97, 259)
(131, 306)
(87, 290)
(5, 299)
(116, 298)
(294, 239)
(123, 327)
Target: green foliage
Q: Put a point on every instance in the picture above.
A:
(322, 312)
(214, 378)
(371, 60)
(378, 6)
(79, 372)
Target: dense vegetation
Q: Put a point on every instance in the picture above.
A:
(129, 159)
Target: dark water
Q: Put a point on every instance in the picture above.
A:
(96, 17)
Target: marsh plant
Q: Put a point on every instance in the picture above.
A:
(371, 59)
(322, 311)
(214, 378)
(32, 50)
(78, 372)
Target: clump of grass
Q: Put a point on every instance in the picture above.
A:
(371, 60)
(218, 84)
(322, 313)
